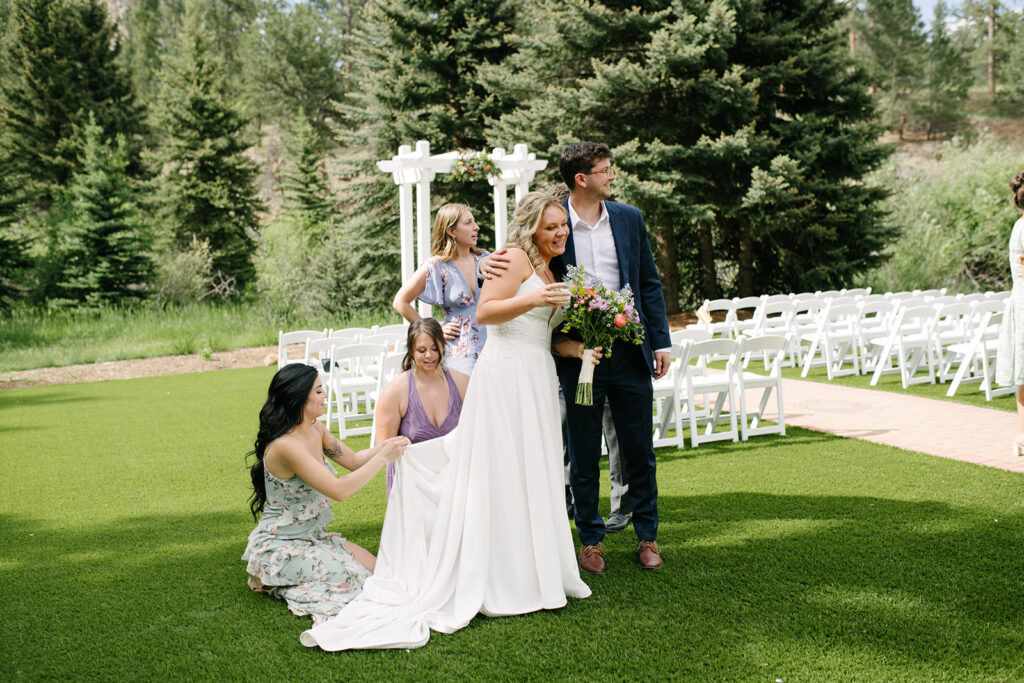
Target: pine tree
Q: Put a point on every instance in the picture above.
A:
(894, 36)
(206, 184)
(295, 63)
(704, 104)
(419, 66)
(947, 76)
(105, 243)
(60, 62)
(305, 183)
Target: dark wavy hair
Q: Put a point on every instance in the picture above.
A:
(417, 326)
(1017, 186)
(286, 397)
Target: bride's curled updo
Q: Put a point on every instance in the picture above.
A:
(525, 222)
(1017, 186)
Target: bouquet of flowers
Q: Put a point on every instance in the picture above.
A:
(473, 166)
(600, 316)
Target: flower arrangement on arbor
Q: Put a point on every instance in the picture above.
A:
(601, 316)
(470, 166)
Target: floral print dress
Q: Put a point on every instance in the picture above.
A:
(446, 287)
(292, 557)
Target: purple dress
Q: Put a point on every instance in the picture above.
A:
(446, 287)
(416, 425)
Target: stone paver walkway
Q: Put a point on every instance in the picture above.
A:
(943, 428)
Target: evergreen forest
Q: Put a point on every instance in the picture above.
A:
(161, 153)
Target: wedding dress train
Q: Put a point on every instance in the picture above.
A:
(476, 519)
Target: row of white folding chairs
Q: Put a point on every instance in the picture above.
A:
(935, 340)
(390, 335)
(809, 303)
(690, 378)
(355, 375)
(946, 340)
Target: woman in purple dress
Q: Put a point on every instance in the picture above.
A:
(451, 279)
(425, 401)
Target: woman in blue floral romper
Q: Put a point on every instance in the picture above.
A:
(451, 279)
(291, 555)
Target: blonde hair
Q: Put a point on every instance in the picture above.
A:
(444, 244)
(525, 222)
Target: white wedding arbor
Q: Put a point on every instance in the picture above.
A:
(418, 167)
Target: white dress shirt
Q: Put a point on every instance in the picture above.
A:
(595, 248)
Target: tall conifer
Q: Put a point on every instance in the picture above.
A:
(206, 183)
(60, 62)
(420, 66)
(105, 243)
(702, 103)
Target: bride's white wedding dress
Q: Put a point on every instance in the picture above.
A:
(476, 519)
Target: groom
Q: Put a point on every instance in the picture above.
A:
(609, 240)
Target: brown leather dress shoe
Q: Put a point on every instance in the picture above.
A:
(592, 559)
(648, 555)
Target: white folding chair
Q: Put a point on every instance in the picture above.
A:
(356, 333)
(806, 317)
(668, 393)
(857, 292)
(930, 292)
(954, 324)
(392, 340)
(909, 343)
(834, 342)
(400, 328)
(744, 314)
(977, 357)
(390, 367)
(773, 346)
(776, 318)
(874, 320)
(286, 339)
(352, 379)
(971, 298)
(720, 385)
(693, 333)
(721, 327)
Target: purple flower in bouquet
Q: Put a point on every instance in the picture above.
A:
(601, 317)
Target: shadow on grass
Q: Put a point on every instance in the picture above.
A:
(750, 578)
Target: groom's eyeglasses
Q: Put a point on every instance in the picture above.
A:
(610, 171)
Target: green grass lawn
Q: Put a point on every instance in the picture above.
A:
(802, 558)
(33, 338)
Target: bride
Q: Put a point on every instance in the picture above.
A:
(476, 519)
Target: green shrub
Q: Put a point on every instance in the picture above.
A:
(184, 275)
(953, 218)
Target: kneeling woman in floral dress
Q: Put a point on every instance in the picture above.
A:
(291, 555)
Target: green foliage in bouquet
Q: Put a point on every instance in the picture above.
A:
(600, 316)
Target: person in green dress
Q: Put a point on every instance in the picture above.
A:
(290, 555)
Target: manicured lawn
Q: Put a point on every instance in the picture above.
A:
(802, 558)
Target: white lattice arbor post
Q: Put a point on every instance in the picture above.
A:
(418, 167)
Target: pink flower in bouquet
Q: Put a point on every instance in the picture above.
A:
(620, 320)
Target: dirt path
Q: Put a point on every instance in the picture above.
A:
(140, 367)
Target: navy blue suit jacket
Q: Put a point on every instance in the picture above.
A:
(636, 268)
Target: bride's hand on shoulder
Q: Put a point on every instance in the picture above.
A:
(394, 448)
(553, 294)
